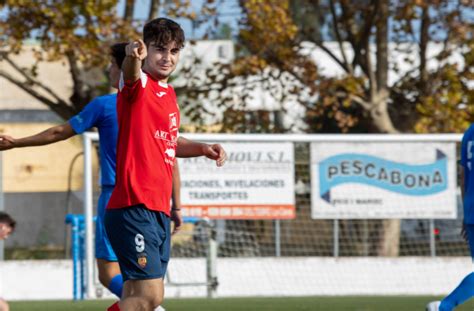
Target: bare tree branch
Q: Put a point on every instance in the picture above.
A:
(334, 57)
(364, 37)
(359, 41)
(363, 103)
(381, 41)
(154, 9)
(129, 10)
(60, 107)
(31, 81)
(349, 25)
(424, 37)
(371, 72)
(357, 99)
(75, 71)
(78, 83)
(348, 67)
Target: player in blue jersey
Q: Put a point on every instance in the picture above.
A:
(102, 114)
(465, 290)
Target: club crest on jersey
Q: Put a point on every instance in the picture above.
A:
(142, 261)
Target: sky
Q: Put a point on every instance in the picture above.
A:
(228, 11)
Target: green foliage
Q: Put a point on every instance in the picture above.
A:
(84, 28)
(448, 106)
(276, 37)
(274, 44)
(442, 94)
(78, 34)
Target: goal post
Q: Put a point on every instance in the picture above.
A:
(258, 223)
(88, 139)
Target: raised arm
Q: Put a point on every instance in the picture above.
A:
(188, 148)
(51, 135)
(135, 53)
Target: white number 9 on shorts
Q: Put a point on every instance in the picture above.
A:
(140, 242)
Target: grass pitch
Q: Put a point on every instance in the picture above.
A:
(402, 303)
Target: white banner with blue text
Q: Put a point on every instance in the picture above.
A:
(379, 180)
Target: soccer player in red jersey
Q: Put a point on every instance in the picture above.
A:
(137, 218)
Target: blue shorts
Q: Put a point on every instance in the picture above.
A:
(141, 239)
(103, 249)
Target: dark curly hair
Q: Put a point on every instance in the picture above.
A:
(161, 31)
(7, 219)
(117, 51)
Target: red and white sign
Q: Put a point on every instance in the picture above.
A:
(256, 182)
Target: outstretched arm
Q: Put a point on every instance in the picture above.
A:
(176, 199)
(188, 148)
(135, 52)
(51, 135)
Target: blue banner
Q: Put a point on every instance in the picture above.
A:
(416, 180)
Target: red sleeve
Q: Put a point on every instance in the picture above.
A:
(131, 93)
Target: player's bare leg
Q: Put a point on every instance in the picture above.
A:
(107, 271)
(4, 305)
(142, 295)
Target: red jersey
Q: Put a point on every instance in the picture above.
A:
(148, 117)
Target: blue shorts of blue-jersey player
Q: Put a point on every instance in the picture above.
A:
(465, 290)
(109, 272)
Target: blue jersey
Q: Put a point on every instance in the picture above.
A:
(101, 113)
(467, 161)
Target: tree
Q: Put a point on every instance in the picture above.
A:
(440, 94)
(79, 34)
(74, 32)
(276, 40)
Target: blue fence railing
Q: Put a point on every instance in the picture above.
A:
(76, 221)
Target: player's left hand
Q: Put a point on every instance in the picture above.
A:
(216, 152)
(6, 142)
(177, 220)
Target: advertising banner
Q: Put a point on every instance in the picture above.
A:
(383, 180)
(256, 182)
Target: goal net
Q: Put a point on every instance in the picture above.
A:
(296, 215)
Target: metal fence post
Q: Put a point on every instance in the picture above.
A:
(211, 262)
(277, 238)
(89, 214)
(432, 239)
(336, 238)
(73, 220)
